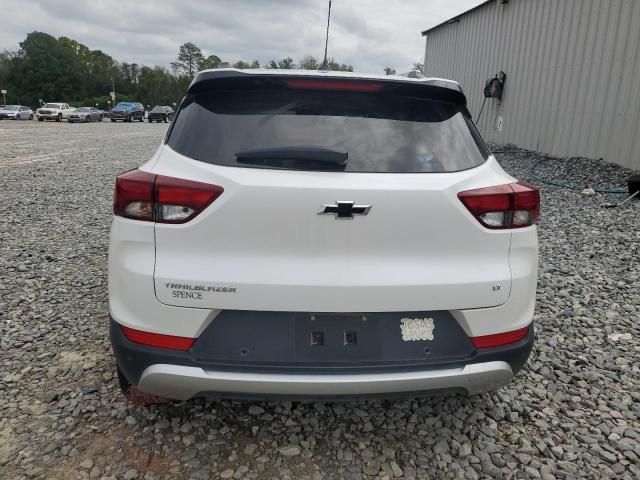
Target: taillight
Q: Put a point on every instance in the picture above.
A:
(157, 198)
(499, 339)
(158, 340)
(331, 84)
(515, 205)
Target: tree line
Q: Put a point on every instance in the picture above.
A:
(64, 70)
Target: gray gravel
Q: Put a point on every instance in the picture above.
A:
(573, 412)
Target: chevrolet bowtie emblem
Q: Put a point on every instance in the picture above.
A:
(344, 209)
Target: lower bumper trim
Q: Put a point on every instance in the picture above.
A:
(184, 382)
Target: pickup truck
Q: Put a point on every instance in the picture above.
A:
(128, 112)
(54, 111)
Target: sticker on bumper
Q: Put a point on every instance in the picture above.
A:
(416, 329)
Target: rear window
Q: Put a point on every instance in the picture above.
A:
(379, 132)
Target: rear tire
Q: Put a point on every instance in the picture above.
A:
(113, 119)
(59, 118)
(136, 396)
(150, 121)
(31, 117)
(40, 119)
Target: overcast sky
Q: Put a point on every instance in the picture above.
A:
(368, 34)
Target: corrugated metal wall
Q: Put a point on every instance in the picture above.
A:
(573, 74)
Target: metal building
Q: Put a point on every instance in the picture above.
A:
(573, 73)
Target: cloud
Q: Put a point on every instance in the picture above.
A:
(369, 34)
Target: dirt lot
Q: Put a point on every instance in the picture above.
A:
(573, 413)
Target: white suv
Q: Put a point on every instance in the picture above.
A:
(310, 234)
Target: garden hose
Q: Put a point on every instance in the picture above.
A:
(532, 174)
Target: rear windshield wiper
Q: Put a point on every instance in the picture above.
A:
(290, 155)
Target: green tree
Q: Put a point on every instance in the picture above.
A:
(241, 64)
(189, 59)
(44, 70)
(286, 63)
(341, 67)
(212, 61)
(418, 67)
(309, 62)
(255, 64)
(389, 71)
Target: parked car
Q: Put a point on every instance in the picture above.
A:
(161, 113)
(16, 112)
(128, 112)
(86, 114)
(320, 235)
(54, 111)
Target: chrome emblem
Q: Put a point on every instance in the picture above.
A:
(344, 209)
(413, 329)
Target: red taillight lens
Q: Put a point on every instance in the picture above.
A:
(148, 197)
(133, 195)
(158, 340)
(515, 205)
(499, 339)
(330, 84)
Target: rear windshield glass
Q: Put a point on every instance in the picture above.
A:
(379, 132)
(159, 109)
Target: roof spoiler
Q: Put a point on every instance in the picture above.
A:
(234, 78)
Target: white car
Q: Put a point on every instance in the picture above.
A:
(54, 111)
(322, 235)
(16, 112)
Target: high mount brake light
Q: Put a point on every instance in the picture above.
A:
(329, 84)
(499, 339)
(516, 205)
(156, 198)
(158, 340)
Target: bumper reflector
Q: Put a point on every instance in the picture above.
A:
(158, 340)
(499, 339)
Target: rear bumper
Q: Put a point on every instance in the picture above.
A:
(182, 383)
(180, 375)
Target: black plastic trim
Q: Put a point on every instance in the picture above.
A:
(134, 358)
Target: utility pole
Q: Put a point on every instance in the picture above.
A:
(325, 64)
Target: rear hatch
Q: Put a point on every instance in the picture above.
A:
(339, 196)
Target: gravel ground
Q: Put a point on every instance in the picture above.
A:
(572, 413)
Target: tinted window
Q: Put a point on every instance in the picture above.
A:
(159, 109)
(380, 132)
